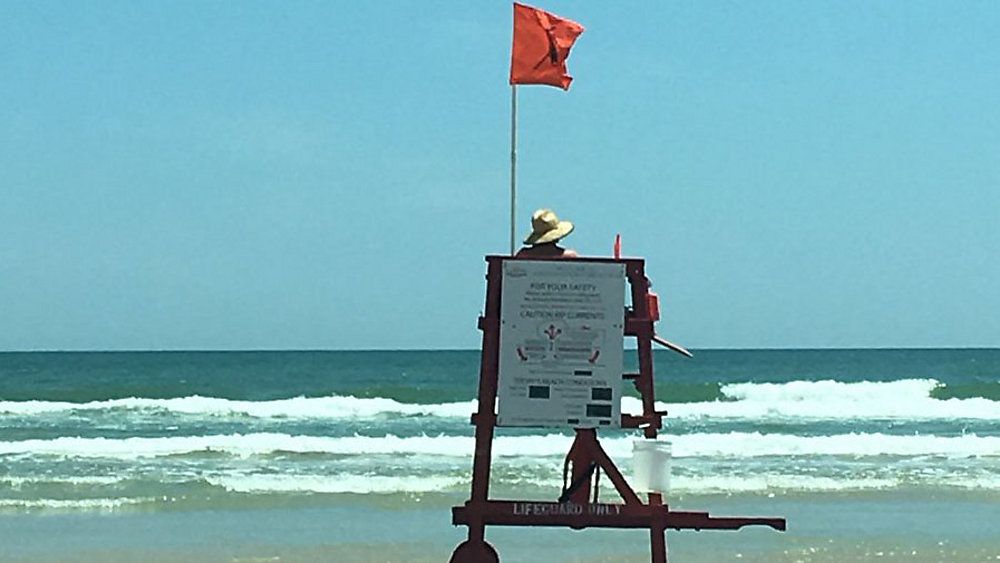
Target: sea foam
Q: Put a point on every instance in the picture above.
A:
(74, 504)
(700, 484)
(339, 483)
(712, 445)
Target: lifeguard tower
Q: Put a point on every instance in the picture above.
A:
(553, 333)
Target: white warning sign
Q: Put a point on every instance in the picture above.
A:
(561, 325)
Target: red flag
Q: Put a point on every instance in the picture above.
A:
(541, 46)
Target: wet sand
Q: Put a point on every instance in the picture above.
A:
(821, 528)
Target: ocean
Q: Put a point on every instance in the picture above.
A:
(358, 456)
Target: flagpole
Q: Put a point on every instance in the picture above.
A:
(513, 165)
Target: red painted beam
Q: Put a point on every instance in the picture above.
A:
(531, 513)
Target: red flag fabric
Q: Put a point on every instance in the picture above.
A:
(541, 46)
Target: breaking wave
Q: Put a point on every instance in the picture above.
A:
(73, 504)
(702, 484)
(297, 407)
(725, 445)
(911, 399)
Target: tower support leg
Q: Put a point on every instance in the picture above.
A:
(658, 544)
(471, 551)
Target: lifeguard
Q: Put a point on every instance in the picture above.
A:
(546, 231)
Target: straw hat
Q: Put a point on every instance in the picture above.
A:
(546, 227)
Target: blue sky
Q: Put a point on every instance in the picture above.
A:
(261, 175)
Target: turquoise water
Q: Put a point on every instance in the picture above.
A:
(177, 435)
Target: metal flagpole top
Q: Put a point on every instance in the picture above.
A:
(513, 167)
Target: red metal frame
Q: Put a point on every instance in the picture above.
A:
(585, 455)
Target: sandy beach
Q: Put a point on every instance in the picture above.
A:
(822, 528)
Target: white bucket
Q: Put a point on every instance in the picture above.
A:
(651, 463)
